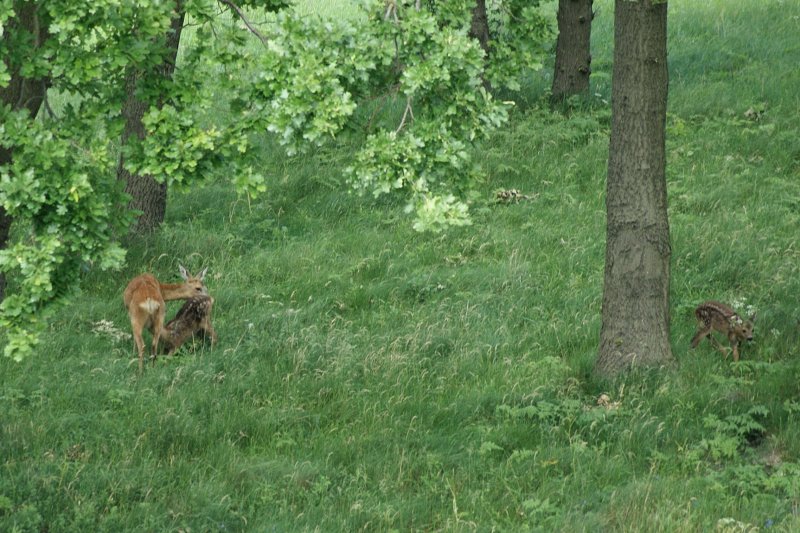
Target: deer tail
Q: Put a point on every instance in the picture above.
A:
(149, 305)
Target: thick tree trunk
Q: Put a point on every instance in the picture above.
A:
(147, 195)
(573, 56)
(21, 93)
(635, 328)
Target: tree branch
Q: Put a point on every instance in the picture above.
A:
(46, 101)
(391, 11)
(247, 23)
(409, 111)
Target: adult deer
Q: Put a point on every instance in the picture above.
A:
(144, 298)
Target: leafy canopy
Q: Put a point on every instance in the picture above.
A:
(300, 79)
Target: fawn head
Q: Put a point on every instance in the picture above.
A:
(743, 329)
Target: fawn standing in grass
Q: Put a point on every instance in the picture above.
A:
(714, 316)
(193, 317)
(144, 298)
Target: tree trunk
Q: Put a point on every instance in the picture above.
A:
(5, 230)
(147, 195)
(573, 56)
(635, 315)
(479, 29)
(21, 93)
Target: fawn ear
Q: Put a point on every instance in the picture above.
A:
(184, 274)
(752, 318)
(202, 274)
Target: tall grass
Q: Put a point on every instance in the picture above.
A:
(369, 378)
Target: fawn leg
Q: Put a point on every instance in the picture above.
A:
(210, 331)
(701, 333)
(718, 346)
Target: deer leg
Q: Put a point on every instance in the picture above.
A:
(700, 335)
(724, 351)
(158, 328)
(208, 329)
(139, 342)
(735, 352)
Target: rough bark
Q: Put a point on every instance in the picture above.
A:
(479, 29)
(635, 315)
(21, 93)
(5, 230)
(573, 56)
(147, 195)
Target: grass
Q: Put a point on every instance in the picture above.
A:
(369, 378)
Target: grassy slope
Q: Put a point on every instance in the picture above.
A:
(371, 378)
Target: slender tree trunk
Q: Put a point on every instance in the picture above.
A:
(21, 93)
(635, 328)
(5, 230)
(147, 195)
(573, 56)
(479, 29)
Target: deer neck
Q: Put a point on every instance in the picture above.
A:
(174, 291)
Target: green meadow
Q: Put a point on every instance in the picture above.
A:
(372, 378)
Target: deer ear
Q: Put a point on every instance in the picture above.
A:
(184, 274)
(752, 317)
(202, 274)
